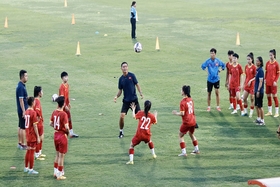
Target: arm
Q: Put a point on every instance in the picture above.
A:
(36, 132)
(181, 113)
(277, 75)
(260, 84)
(133, 106)
(67, 128)
(139, 90)
(118, 95)
(155, 113)
(22, 106)
(227, 76)
(51, 123)
(242, 81)
(204, 65)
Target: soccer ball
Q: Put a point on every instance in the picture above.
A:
(54, 96)
(138, 47)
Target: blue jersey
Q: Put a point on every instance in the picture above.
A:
(133, 12)
(259, 75)
(213, 67)
(127, 84)
(21, 93)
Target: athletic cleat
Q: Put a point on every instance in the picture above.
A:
(39, 158)
(244, 114)
(234, 112)
(183, 154)
(42, 155)
(219, 109)
(23, 147)
(154, 156)
(130, 163)
(260, 123)
(19, 146)
(74, 135)
(25, 170)
(276, 115)
(61, 178)
(194, 152)
(33, 172)
(268, 114)
(121, 135)
(257, 121)
(251, 115)
(237, 107)
(208, 109)
(230, 107)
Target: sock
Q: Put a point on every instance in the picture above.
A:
(71, 131)
(258, 118)
(276, 110)
(151, 146)
(262, 120)
(245, 106)
(37, 150)
(252, 107)
(31, 158)
(251, 112)
(240, 104)
(209, 107)
(218, 106)
(131, 153)
(195, 144)
(121, 130)
(234, 103)
(276, 101)
(60, 168)
(269, 109)
(41, 145)
(269, 102)
(183, 147)
(55, 166)
(26, 159)
(70, 124)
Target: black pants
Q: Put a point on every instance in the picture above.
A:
(133, 27)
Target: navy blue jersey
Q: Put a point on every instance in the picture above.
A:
(21, 93)
(127, 84)
(259, 75)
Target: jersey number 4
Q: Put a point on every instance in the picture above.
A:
(56, 122)
(145, 123)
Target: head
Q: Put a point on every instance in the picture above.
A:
(38, 92)
(186, 91)
(60, 101)
(230, 53)
(64, 76)
(30, 101)
(272, 54)
(213, 52)
(235, 58)
(124, 67)
(133, 3)
(147, 107)
(259, 61)
(250, 58)
(23, 76)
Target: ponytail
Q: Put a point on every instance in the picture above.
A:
(147, 106)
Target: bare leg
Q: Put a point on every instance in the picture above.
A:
(217, 97)
(209, 99)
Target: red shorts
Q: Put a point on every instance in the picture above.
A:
(40, 129)
(233, 91)
(61, 142)
(32, 144)
(270, 89)
(185, 128)
(249, 90)
(137, 139)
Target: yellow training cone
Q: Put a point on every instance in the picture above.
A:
(65, 3)
(137, 17)
(73, 19)
(78, 53)
(6, 23)
(237, 39)
(157, 44)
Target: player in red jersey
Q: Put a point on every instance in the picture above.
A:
(59, 121)
(234, 83)
(228, 66)
(188, 120)
(32, 136)
(143, 133)
(38, 93)
(250, 72)
(64, 91)
(271, 78)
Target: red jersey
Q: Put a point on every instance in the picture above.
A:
(250, 72)
(38, 109)
(187, 106)
(59, 119)
(144, 123)
(228, 66)
(30, 119)
(64, 91)
(271, 72)
(235, 72)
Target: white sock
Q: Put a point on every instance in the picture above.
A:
(184, 151)
(276, 110)
(196, 148)
(218, 106)
(209, 106)
(231, 105)
(245, 110)
(37, 155)
(40, 152)
(259, 118)
(251, 111)
(270, 109)
(153, 151)
(71, 131)
(131, 157)
(121, 130)
(262, 120)
(55, 171)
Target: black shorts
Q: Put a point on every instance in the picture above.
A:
(126, 106)
(21, 121)
(259, 101)
(210, 86)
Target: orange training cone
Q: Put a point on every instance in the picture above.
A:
(157, 44)
(237, 39)
(78, 53)
(6, 23)
(137, 17)
(73, 19)
(65, 3)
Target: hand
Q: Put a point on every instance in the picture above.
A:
(155, 113)
(142, 96)
(258, 94)
(174, 112)
(274, 83)
(69, 106)
(23, 114)
(115, 99)
(226, 85)
(38, 140)
(249, 83)
(132, 106)
(66, 108)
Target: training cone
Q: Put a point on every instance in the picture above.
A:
(6, 22)
(237, 39)
(137, 17)
(78, 53)
(73, 19)
(157, 44)
(65, 3)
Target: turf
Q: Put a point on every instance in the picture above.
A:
(41, 39)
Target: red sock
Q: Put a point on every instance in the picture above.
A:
(269, 101)
(151, 145)
(234, 103)
(195, 143)
(276, 101)
(230, 100)
(41, 145)
(245, 106)
(26, 160)
(240, 104)
(131, 151)
(31, 158)
(252, 107)
(182, 145)
(60, 168)
(55, 165)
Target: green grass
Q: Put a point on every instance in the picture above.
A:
(41, 39)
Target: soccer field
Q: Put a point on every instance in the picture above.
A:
(41, 39)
